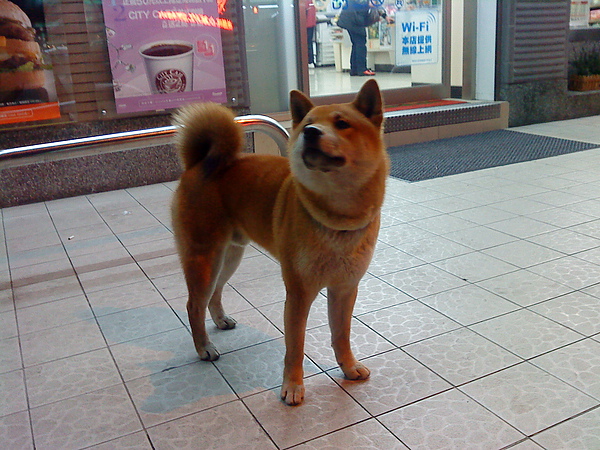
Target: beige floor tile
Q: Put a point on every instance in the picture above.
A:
(365, 342)
(85, 420)
(8, 325)
(122, 326)
(577, 364)
(469, 304)
(524, 288)
(423, 281)
(156, 353)
(10, 354)
(134, 441)
(475, 266)
(257, 368)
(326, 408)
(523, 254)
(179, 391)
(128, 296)
(15, 431)
(396, 380)
(408, 322)
(53, 314)
(13, 398)
(570, 271)
(578, 433)
(461, 356)
(228, 426)
(111, 277)
(525, 333)
(61, 342)
(449, 420)
(528, 398)
(365, 435)
(577, 310)
(374, 294)
(47, 291)
(70, 377)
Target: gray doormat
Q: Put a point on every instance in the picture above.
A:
(426, 160)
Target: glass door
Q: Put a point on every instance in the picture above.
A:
(271, 53)
(407, 50)
(299, 44)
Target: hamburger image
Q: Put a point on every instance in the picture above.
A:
(22, 78)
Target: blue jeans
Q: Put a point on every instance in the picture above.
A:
(358, 55)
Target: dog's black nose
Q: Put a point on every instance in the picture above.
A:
(312, 133)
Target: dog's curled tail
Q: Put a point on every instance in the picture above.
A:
(207, 134)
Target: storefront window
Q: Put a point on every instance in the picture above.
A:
(270, 32)
(404, 46)
(101, 60)
(585, 13)
(300, 45)
(102, 63)
(34, 85)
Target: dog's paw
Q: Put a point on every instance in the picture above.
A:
(357, 372)
(292, 393)
(225, 323)
(209, 353)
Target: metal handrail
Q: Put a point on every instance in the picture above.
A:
(251, 123)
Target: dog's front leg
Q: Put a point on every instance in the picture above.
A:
(297, 306)
(340, 302)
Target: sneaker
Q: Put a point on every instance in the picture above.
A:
(368, 73)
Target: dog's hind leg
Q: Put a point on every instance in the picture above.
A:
(201, 274)
(340, 302)
(233, 257)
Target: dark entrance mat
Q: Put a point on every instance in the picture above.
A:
(426, 160)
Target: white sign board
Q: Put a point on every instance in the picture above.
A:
(417, 36)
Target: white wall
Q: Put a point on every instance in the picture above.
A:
(456, 43)
(485, 62)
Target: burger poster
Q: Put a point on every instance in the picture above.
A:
(164, 54)
(27, 91)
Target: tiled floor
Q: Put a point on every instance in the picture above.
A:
(479, 319)
(327, 81)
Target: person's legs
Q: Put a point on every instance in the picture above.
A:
(352, 54)
(310, 33)
(361, 52)
(358, 55)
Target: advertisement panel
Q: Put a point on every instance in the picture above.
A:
(27, 90)
(164, 53)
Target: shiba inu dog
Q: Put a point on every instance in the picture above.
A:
(316, 211)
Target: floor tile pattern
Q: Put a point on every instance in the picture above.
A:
(479, 318)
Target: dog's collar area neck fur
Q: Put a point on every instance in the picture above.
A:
(324, 214)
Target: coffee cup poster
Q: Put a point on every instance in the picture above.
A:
(27, 90)
(164, 54)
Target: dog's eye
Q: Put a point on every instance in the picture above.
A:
(342, 124)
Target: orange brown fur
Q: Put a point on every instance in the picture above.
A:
(316, 212)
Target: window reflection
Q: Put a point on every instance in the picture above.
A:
(403, 47)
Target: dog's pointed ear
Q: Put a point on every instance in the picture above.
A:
(368, 101)
(300, 105)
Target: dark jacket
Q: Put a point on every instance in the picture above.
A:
(359, 13)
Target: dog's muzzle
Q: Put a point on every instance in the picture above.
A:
(313, 156)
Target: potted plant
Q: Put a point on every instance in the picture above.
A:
(585, 70)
